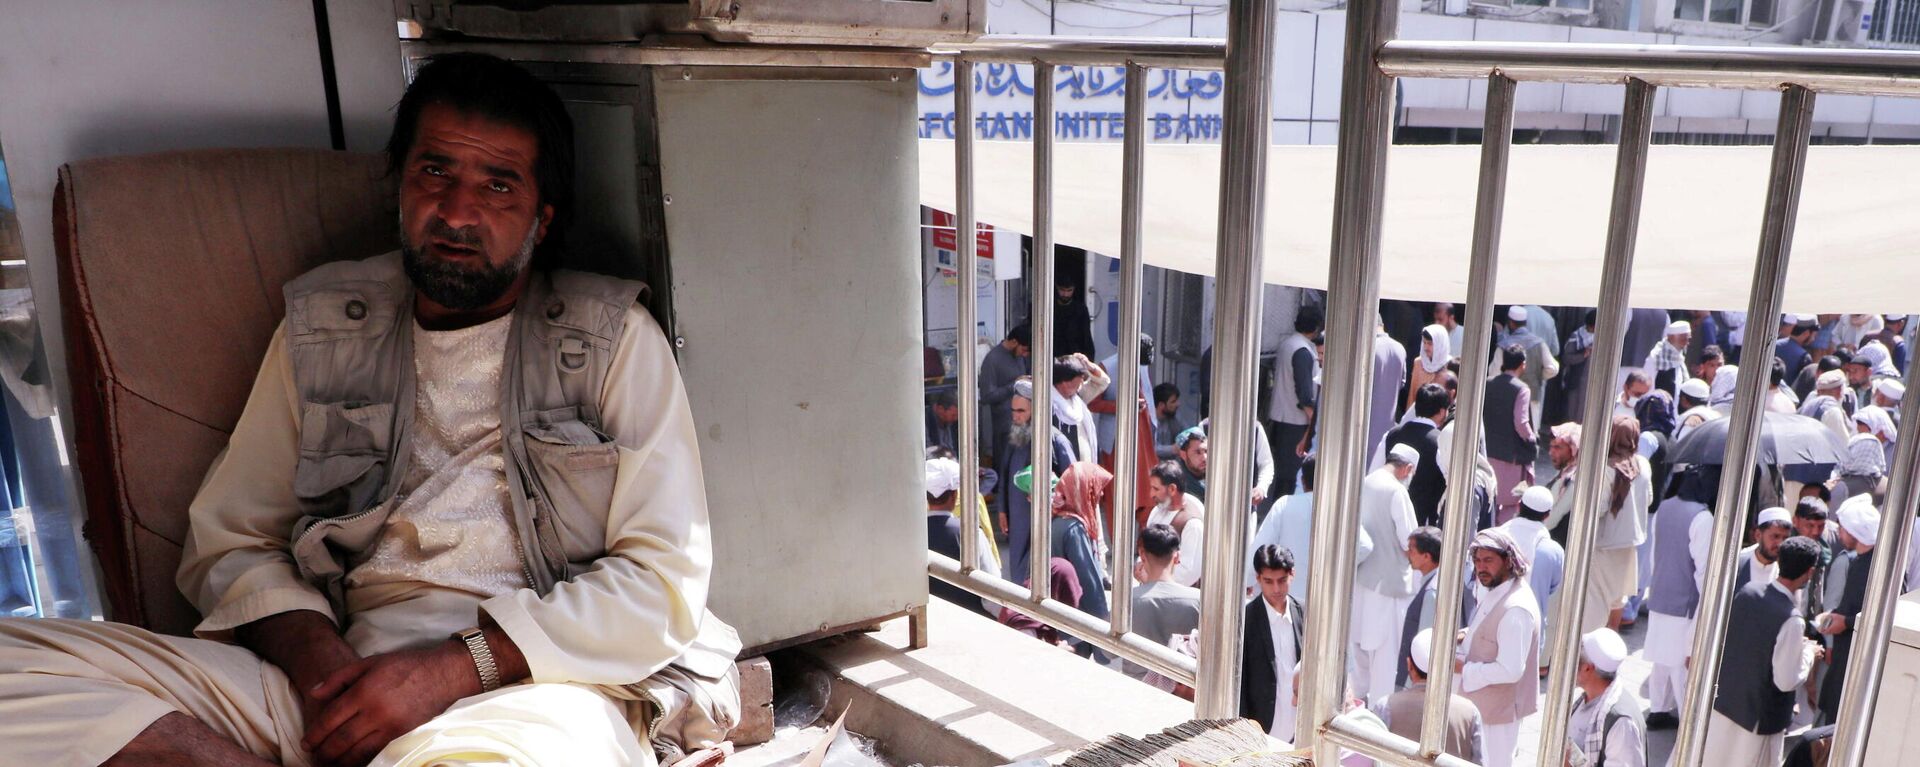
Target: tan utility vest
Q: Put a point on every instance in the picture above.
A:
(349, 338)
(1503, 703)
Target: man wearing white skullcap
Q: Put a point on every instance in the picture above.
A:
(1542, 364)
(1546, 567)
(1695, 405)
(1887, 393)
(1383, 581)
(1667, 360)
(1824, 403)
(1609, 722)
(1765, 659)
(943, 534)
(1404, 712)
(1760, 559)
(1859, 530)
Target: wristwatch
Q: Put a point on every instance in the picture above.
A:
(476, 641)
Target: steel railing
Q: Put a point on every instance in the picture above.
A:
(1374, 59)
(1215, 677)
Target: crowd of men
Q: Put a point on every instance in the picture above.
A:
(1800, 584)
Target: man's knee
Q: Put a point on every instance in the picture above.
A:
(538, 723)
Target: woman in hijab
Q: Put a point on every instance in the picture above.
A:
(1076, 532)
(1622, 528)
(1435, 353)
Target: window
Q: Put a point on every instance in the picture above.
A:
(1752, 13)
(1565, 5)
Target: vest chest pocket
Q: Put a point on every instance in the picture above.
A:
(575, 465)
(344, 451)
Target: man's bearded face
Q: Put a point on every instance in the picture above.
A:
(470, 211)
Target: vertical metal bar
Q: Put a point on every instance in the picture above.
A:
(1126, 381)
(1591, 489)
(1743, 432)
(1246, 121)
(1495, 144)
(1366, 129)
(1040, 325)
(1875, 627)
(964, 350)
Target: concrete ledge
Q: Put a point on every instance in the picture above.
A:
(981, 693)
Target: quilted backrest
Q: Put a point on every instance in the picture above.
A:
(170, 273)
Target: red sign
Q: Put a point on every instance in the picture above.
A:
(945, 238)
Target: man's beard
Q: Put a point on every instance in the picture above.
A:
(1021, 435)
(458, 287)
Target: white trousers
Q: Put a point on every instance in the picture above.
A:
(1501, 740)
(76, 692)
(1730, 745)
(1373, 672)
(1666, 685)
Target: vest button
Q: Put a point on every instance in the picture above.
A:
(356, 310)
(555, 309)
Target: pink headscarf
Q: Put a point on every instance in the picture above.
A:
(1079, 493)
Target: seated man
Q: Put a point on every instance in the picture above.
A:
(461, 518)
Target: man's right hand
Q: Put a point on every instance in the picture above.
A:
(302, 643)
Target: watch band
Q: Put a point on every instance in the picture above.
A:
(476, 641)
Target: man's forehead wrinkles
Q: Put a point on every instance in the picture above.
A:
(452, 144)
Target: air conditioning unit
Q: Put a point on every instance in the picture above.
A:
(912, 23)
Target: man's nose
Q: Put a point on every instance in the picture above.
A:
(459, 206)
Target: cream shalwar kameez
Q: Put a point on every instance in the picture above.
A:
(74, 692)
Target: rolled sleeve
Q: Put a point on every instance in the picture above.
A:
(236, 567)
(639, 606)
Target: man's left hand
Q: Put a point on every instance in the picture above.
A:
(372, 701)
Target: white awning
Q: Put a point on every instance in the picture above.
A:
(1856, 244)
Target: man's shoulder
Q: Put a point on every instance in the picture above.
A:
(385, 267)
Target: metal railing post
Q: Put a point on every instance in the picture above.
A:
(1496, 144)
(1590, 492)
(964, 349)
(1366, 127)
(1246, 119)
(1126, 381)
(1875, 625)
(1743, 433)
(1040, 325)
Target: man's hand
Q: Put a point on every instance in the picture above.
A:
(302, 643)
(372, 701)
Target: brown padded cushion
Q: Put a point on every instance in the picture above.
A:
(170, 273)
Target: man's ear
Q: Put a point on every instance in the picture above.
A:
(546, 219)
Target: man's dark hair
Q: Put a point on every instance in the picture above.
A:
(1146, 349)
(1811, 508)
(1820, 491)
(1798, 555)
(1637, 376)
(1778, 375)
(1512, 356)
(1805, 326)
(1159, 541)
(1021, 334)
(1592, 317)
(1426, 540)
(1272, 557)
(1307, 467)
(1448, 307)
(1711, 353)
(943, 398)
(1308, 320)
(1066, 369)
(941, 499)
(1833, 361)
(1168, 472)
(1430, 400)
(487, 86)
(1164, 391)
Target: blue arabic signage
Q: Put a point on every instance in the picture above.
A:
(1182, 106)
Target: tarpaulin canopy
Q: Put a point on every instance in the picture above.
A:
(1856, 243)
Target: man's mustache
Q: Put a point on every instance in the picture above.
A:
(466, 236)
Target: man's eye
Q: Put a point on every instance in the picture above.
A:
(433, 170)
(500, 187)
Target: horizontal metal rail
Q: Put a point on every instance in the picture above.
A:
(683, 50)
(1159, 52)
(1157, 657)
(1384, 747)
(1831, 70)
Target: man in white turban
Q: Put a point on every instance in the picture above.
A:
(1859, 532)
(1667, 360)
